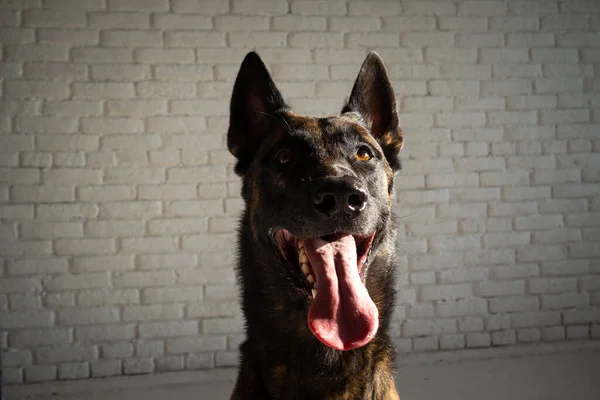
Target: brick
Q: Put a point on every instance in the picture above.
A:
(538, 222)
(105, 297)
(581, 316)
(557, 236)
(514, 23)
(152, 312)
(106, 368)
(169, 295)
(120, 72)
(578, 332)
(138, 366)
(464, 24)
(195, 344)
(297, 23)
(579, 7)
(506, 87)
(114, 228)
(117, 20)
(462, 307)
(101, 55)
(106, 193)
(564, 22)
(84, 246)
(50, 230)
(427, 343)
(429, 8)
(67, 142)
(33, 267)
(530, 39)
(67, 4)
(552, 285)
(529, 335)
(46, 194)
(103, 90)
(60, 300)
(450, 55)
(445, 292)
(79, 281)
(159, 56)
(503, 338)
(132, 210)
(569, 190)
(77, 37)
(35, 248)
(501, 288)
(565, 300)
(65, 353)
(452, 88)
(40, 337)
(266, 39)
(138, 5)
(452, 342)
(145, 278)
(77, 370)
(428, 327)
(171, 90)
(15, 212)
(152, 348)
(27, 319)
(40, 373)
(513, 304)
(86, 316)
(33, 52)
(73, 108)
(478, 340)
(158, 261)
(53, 18)
(205, 275)
(565, 85)
(454, 211)
(168, 329)
(32, 89)
(170, 363)
(319, 40)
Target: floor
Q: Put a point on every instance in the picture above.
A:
(523, 377)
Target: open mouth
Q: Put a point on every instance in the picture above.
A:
(331, 271)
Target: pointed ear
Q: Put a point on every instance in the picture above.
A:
(373, 98)
(254, 100)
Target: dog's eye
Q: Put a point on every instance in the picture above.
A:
(284, 156)
(363, 154)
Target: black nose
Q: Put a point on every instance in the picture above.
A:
(336, 196)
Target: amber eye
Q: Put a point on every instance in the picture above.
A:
(363, 154)
(284, 156)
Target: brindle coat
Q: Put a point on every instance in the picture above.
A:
(281, 358)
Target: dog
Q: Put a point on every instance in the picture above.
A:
(316, 239)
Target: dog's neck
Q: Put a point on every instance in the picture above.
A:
(282, 342)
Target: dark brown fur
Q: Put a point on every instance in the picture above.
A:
(281, 358)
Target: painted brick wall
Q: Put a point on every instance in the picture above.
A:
(118, 202)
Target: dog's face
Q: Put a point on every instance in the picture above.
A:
(319, 190)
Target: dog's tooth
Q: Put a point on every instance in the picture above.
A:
(314, 293)
(305, 268)
(300, 244)
(303, 259)
(310, 278)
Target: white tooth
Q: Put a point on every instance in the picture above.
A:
(310, 278)
(302, 257)
(314, 293)
(300, 244)
(305, 269)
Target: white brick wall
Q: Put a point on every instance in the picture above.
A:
(118, 204)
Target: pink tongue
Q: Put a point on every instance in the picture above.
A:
(342, 316)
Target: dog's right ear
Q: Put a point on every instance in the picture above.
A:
(254, 102)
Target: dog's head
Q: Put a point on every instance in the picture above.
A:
(319, 191)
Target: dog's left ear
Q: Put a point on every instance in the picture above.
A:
(373, 98)
(254, 102)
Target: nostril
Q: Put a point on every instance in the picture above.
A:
(356, 201)
(325, 202)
